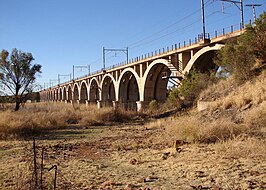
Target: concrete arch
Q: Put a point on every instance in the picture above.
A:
(199, 54)
(154, 87)
(76, 91)
(64, 94)
(49, 95)
(60, 95)
(129, 89)
(56, 94)
(109, 90)
(69, 93)
(94, 90)
(83, 92)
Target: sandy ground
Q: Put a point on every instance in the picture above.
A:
(127, 157)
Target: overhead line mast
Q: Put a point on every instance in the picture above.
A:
(254, 10)
(239, 5)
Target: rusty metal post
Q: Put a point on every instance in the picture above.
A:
(35, 164)
(42, 167)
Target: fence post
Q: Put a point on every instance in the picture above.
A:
(55, 174)
(42, 166)
(35, 163)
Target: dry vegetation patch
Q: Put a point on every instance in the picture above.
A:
(34, 119)
(219, 148)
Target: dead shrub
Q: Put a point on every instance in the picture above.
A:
(35, 118)
(242, 147)
(220, 130)
(256, 117)
(184, 128)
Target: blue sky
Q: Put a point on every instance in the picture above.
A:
(63, 33)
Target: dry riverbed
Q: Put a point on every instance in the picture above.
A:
(128, 157)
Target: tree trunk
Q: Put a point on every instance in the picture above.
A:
(17, 106)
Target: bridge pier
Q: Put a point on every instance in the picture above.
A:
(99, 104)
(75, 102)
(115, 105)
(141, 105)
(87, 102)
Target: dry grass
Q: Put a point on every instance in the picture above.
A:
(227, 95)
(36, 118)
(192, 129)
(195, 128)
(242, 147)
(218, 90)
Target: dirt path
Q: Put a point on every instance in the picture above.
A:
(128, 157)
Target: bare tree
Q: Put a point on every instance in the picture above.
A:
(18, 74)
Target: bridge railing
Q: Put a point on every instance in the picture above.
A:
(174, 47)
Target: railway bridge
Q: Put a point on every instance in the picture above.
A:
(134, 84)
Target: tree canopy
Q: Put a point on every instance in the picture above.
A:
(242, 56)
(18, 74)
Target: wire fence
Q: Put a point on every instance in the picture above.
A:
(46, 174)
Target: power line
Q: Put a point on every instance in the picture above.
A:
(162, 30)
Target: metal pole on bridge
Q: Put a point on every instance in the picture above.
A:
(253, 9)
(240, 7)
(103, 58)
(203, 20)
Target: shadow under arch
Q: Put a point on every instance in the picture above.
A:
(203, 60)
(205, 63)
(64, 94)
(69, 93)
(108, 94)
(128, 91)
(83, 92)
(155, 84)
(75, 92)
(94, 93)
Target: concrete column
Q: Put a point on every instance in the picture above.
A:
(140, 106)
(180, 62)
(184, 57)
(99, 104)
(191, 53)
(141, 70)
(116, 75)
(115, 104)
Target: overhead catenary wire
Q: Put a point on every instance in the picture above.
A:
(154, 37)
(179, 30)
(133, 45)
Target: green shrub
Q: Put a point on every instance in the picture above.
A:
(173, 100)
(153, 106)
(241, 57)
(193, 83)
